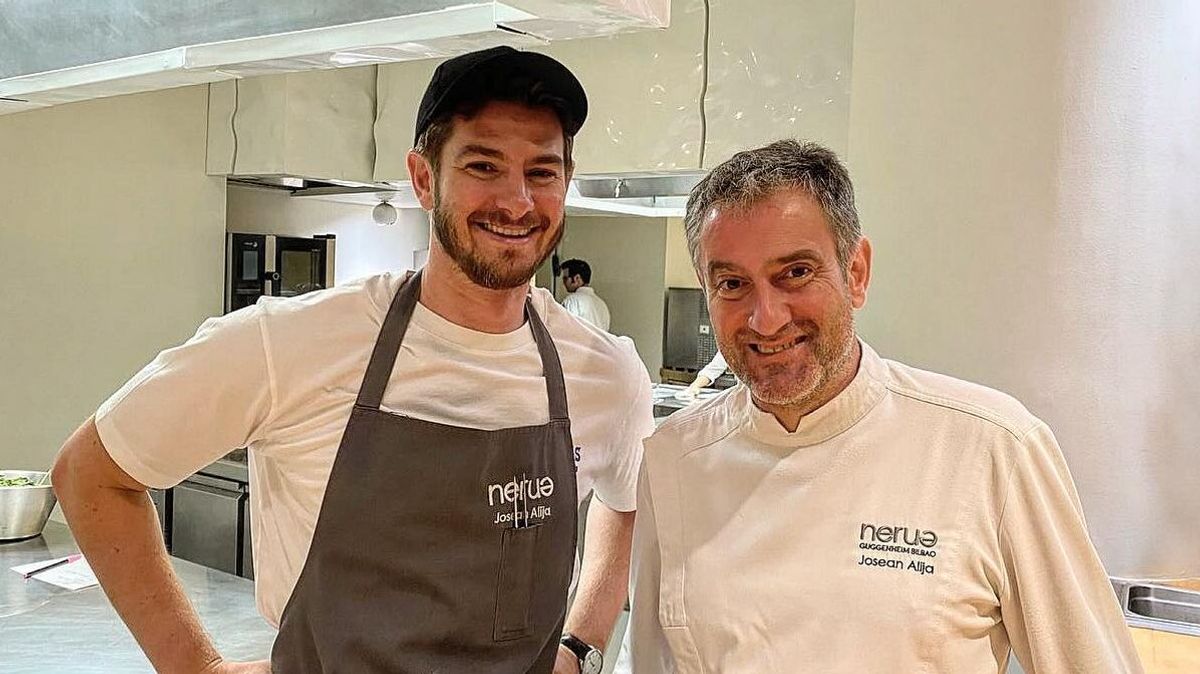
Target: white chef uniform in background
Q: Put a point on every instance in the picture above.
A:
(586, 304)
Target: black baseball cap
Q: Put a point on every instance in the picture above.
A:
(475, 77)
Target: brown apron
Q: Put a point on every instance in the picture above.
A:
(437, 548)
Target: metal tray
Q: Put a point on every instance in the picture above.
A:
(1159, 607)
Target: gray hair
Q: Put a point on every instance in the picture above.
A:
(751, 176)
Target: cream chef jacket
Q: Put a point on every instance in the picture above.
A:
(915, 523)
(586, 304)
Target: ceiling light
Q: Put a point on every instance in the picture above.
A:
(384, 214)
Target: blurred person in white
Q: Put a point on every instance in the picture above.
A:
(837, 511)
(707, 375)
(581, 299)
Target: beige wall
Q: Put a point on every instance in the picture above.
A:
(778, 69)
(363, 248)
(679, 272)
(1028, 173)
(111, 246)
(628, 260)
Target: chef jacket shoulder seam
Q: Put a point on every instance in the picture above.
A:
(684, 417)
(679, 420)
(705, 445)
(1010, 426)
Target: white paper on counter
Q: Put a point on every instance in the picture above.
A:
(74, 576)
(34, 566)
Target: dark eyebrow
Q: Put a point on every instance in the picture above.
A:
(480, 149)
(540, 160)
(718, 266)
(806, 254)
(549, 158)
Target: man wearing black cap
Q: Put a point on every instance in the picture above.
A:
(419, 444)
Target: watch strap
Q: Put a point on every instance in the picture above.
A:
(578, 646)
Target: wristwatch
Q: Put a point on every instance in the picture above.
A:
(591, 660)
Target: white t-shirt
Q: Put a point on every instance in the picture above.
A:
(586, 304)
(915, 523)
(281, 377)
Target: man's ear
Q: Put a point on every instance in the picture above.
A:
(859, 275)
(423, 178)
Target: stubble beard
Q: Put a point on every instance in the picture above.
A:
(494, 274)
(785, 385)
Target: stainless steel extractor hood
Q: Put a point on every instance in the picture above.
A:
(53, 51)
(649, 195)
(297, 186)
(646, 195)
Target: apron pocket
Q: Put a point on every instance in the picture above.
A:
(514, 588)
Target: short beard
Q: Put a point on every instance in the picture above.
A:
(491, 274)
(832, 346)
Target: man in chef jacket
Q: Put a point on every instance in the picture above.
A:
(419, 445)
(837, 511)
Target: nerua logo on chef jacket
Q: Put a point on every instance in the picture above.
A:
(918, 547)
(516, 500)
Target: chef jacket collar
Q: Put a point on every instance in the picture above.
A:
(834, 417)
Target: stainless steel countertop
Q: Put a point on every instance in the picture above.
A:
(665, 402)
(47, 630)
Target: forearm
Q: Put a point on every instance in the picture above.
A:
(117, 530)
(604, 577)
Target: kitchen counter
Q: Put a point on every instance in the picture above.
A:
(1166, 653)
(44, 628)
(54, 630)
(665, 402)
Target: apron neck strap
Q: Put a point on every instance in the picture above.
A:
(395, 325)
(556, 387)
(387, 346)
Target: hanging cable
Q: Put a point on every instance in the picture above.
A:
(233, 124)
(704, 85)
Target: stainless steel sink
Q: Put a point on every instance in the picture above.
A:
(1159, 607)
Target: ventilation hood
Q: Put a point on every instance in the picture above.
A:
(645, 195)
(297, 186)
(655, 195)
(55, 52)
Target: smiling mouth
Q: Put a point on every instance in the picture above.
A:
(505, 231)
(768, 350)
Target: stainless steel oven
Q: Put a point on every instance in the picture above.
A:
(688, 339)
(210, 521)
(282, 266)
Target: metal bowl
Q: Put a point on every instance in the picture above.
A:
(24, 510)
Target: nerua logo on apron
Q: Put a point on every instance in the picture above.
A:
(514, 499)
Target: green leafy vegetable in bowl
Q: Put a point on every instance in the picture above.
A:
(15, 482)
